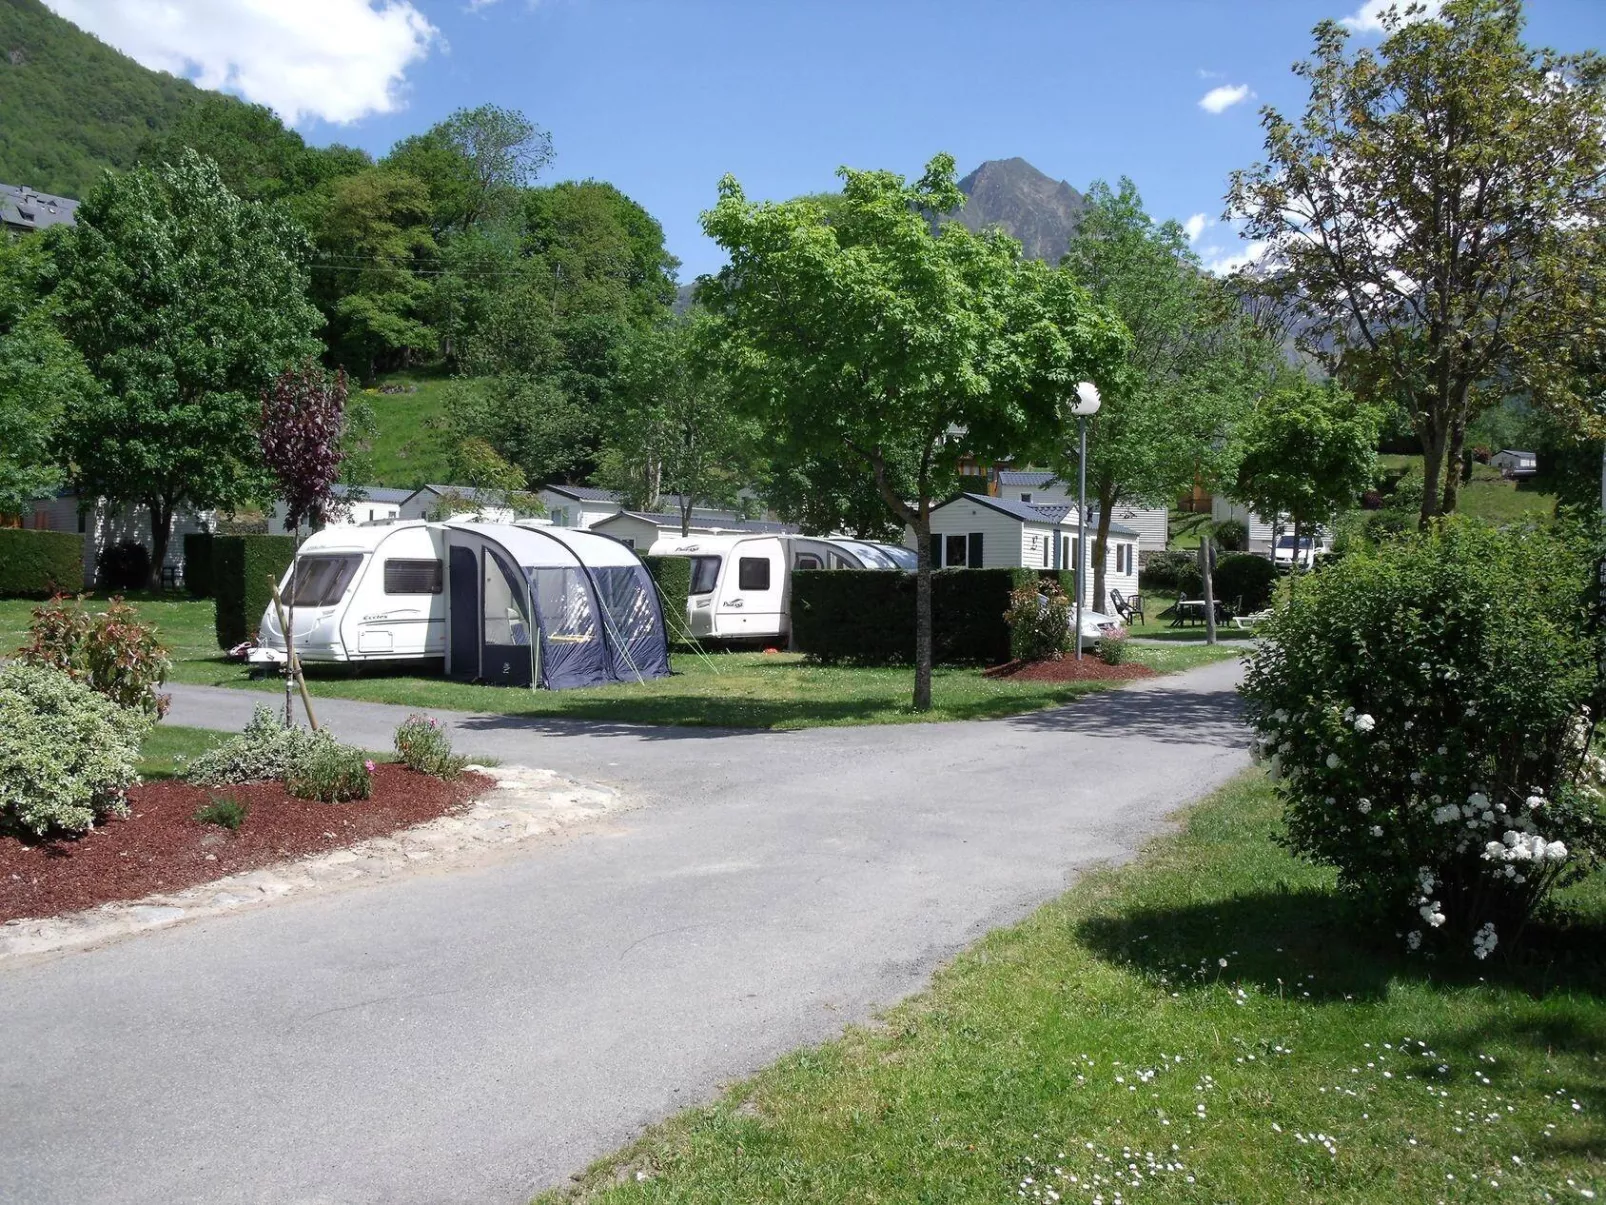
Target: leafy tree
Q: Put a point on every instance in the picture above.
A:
(872, 337)
(1189, 369)
(490, 480)
(184, 302)
(675, 429)
(302, 433)
(529, 420)
(40, 375)
(1307, 451)
(474, 163)
(820, 492)
(1437, 202)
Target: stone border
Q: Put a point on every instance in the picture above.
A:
(525, 804)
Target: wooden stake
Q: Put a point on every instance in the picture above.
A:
(292, 662)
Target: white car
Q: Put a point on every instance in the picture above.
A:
(1309, 550)
(1096, 625)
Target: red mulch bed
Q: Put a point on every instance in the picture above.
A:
(1068, 669)
(162, 847)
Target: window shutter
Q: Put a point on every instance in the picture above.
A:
(936, 552)
(973, 553)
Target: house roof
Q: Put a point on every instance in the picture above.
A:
(373, 493)
(493, 497)
(28, 209)
(1028, 512)
(1515, 452)
(755, 526)
(584, 493)
(1029, 478)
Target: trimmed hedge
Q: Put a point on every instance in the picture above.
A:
(1245, 581)
(241, 567)
(1172, 571)
(37, 564)
(198, 563)
(867, 616)
(672, 576)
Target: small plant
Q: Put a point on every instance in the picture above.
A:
(423, 745)
(225, 811)
(1039, 623)
(110, 651)
(1114, 649)
(330, 773)
(264, 752)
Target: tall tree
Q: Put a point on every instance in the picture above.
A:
(42, 376)
(873, 337)
(474, 163)
(1185, 374)
(184, 302)
(1439, 195)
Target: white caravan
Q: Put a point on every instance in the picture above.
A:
(367, 593)
(741, 586)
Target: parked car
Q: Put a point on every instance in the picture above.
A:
(1309, 550)
(1096, 625)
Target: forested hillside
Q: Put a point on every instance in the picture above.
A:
(71, 106)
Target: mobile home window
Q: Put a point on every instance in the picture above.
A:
(953, 553)
(412, 577)
(704, 574)
(321, 581)
(753, 573)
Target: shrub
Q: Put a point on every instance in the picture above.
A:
(241, 569)
(1244, 581)
(1114, 649)
(37, 564)
(265, 751)
(198, 563)
(67, 754)
(424, 746)
(1233, 535)
(1173, 571)
(330, 773)
(225, 811)
(1426, 711)
(672, 576)
(124, 566)
(1039, 623)
(111, 651)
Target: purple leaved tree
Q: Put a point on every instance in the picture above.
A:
(303, 421)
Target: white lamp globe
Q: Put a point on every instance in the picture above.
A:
(1086, 401)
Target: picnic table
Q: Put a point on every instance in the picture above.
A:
(1192, 611)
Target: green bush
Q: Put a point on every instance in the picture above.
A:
(1232, 535)
(1171, 571)
(330, 773)
(1427, 711)
(266, 751)
(241, 569)
(424, 746)
(1115, 649)
(1244, 582)
(67, 754)
(37, 564)
(225, 811)
(867, 616)
(124, 566)
(1039, 623)
(672, 575)
(198, 563)
(110, 651)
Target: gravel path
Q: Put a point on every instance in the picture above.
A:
(478, 1035)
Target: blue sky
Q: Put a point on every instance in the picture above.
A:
(663, 98)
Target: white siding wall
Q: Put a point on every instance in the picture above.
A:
(1122, 550)
(627, 528)
(344, 514)
(1002, 537)
(1152, 523)
(1260, 533)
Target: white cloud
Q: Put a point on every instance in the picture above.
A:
(339, 60)
(1368, 18)
(1224, 265)
(1219, 100)
(1196, 225)
(1207, 74)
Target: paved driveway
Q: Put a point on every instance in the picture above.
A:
(478, 1035)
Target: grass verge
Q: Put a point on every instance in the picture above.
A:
(1207, 1024)
(736, 690)
(160, 753)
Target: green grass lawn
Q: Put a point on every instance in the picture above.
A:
(167, 743)
(408, 448)
(744, 690)
(1488, 496)
(1208, 1024)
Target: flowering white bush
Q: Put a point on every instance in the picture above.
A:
(1428, 713)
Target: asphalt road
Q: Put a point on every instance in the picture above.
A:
(479, 1035)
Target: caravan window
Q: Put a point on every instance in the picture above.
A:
(753, 573)
(412, 577)
(807, 560)
(704, 574)
(321, 581)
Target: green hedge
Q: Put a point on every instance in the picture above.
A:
(672, 575)
(198, 564)
(37, 564)
(241, 568)
(867, 616)
(1244, 581)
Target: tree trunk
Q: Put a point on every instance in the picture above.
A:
(685, 515)
(1207, 577)
(922, 526)
(1452, 462)
(161, 513)
(1101, 549)
(1432, 467)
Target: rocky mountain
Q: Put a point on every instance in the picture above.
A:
(1036, 209)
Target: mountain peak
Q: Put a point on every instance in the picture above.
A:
(1034, 208)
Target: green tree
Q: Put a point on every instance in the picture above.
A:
(474, 164)
(1187, 372)
(42, 376)
(184, 302)
(675, 429)
(487, 480)
(1437, 201)
(873, 337)
(1306, 451)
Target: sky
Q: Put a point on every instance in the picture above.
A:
(663, 97)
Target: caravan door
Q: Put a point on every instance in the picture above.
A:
(752, 589)
(463, 641)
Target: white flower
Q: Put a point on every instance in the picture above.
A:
(1443, 750)
(1436, 919)
(1416, 777)
(1332, 761)
(1413, 939)
(1535, 802)
(1364, 723)
(1365, 805)
(1377, 830)
(1488, 817)
(1280, 716)
(1484, 941)
(1446, 814)
(1410, 724)
(1556, 852)
(1478, 801)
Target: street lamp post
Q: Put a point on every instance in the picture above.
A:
(1086, 403)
